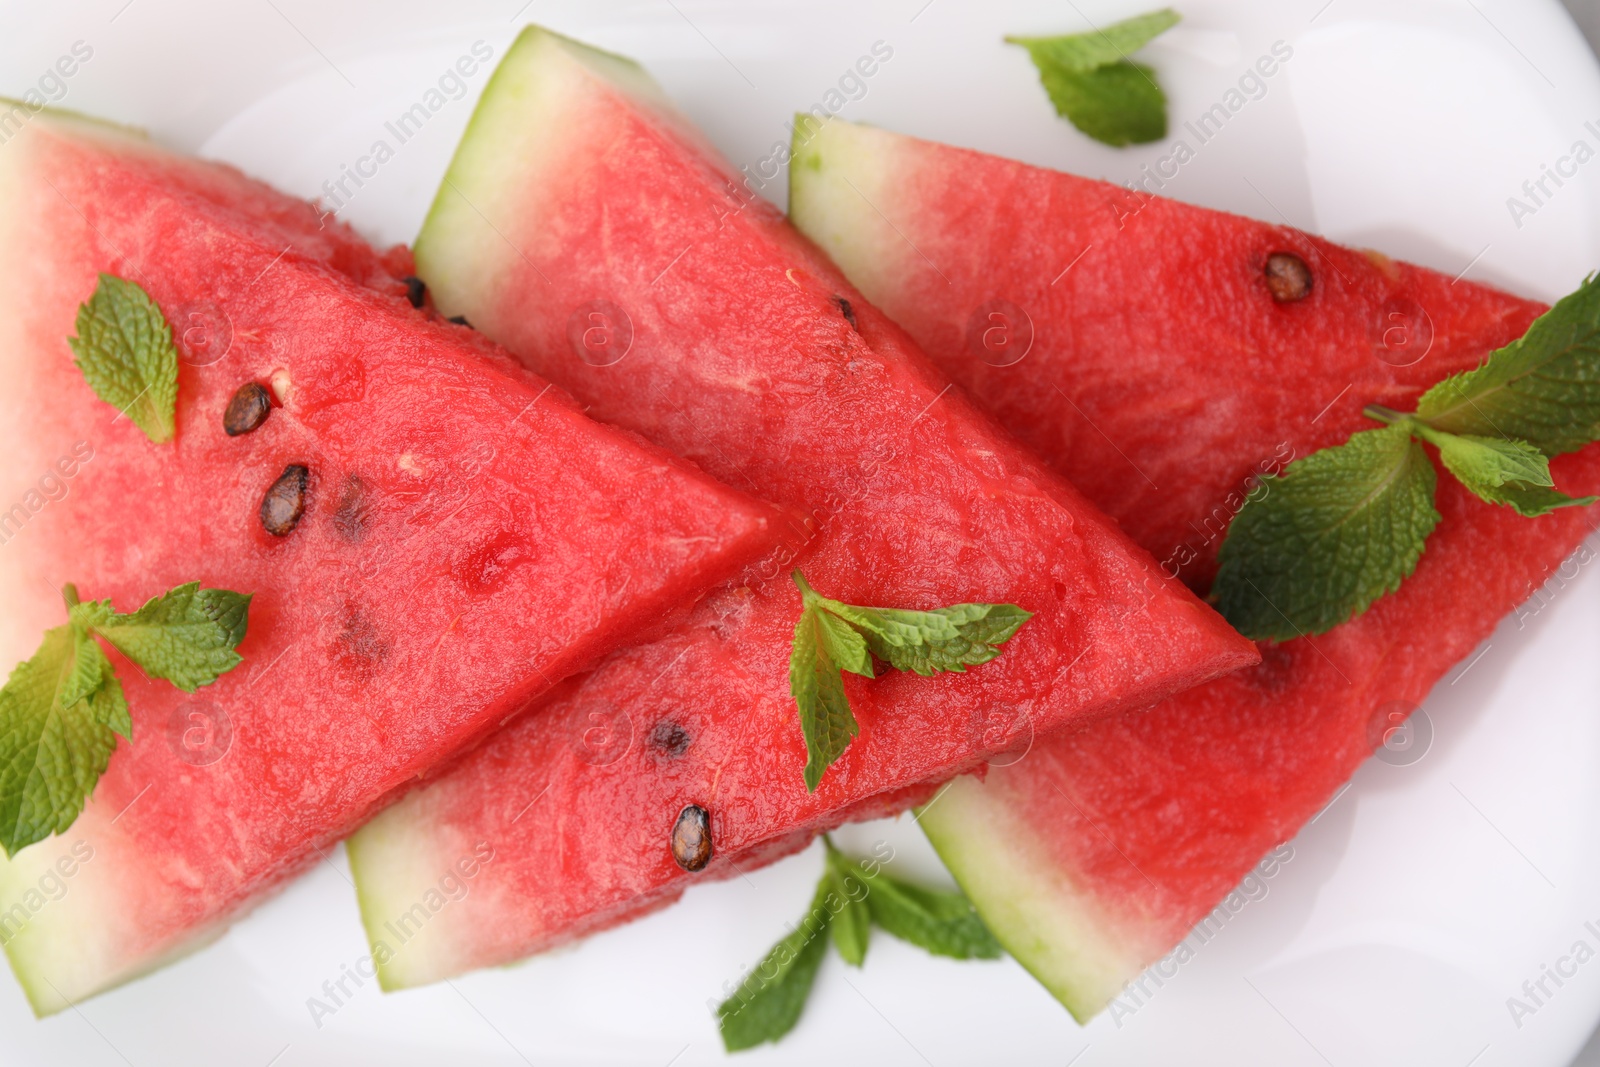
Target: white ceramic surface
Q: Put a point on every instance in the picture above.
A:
(1417, 903)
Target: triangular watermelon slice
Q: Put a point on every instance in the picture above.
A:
(1149, 359)
(586, 225)
(467, 539)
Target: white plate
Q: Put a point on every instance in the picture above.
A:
(1413, 908)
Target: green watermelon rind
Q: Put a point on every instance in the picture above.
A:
(1043, 920)
(46, 950)
(386, 853)
(463, 214)
(835, 211)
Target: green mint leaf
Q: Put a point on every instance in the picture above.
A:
(768, 1003)
(1098, 48)
(187, 635)
(1327, 537)
(124, 349)
(1543, 388)
(943, 923)
(926, 642)
(1094, 85)
(852, 920)
(1530, 500)
(1513, 473)
(52, 753)
(61, 711)
(826, 720)
(833, 636)
(1117, 105)
(946, 639)
(1487, 462)
(89, 669)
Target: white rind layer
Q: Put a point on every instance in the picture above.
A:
(464, 235)
(1047, 922)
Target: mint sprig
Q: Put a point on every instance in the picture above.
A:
(1095, 86)
(832, 637)
(125, 350)
(1543, 388)
(1319, 543)
(62, 710)
(851, 897)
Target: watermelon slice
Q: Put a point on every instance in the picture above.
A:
(1138, 347)
(588, 227)
(467, 539)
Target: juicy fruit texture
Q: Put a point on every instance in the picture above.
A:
(469, 537)
(1140, 349)
(587, 227)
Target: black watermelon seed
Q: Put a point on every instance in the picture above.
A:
(847, 311)
(415, 290)
(669, 738)
(285, 501)
(691, 838)
(1288, 277)
(461, 320)
(247, 409)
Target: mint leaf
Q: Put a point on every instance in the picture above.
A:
(1487, 461)
(832, 636)
(769, 1001)
(1543, 388)
(124, 349)
(849, 898)
(1513, 473)
(825, 716)
(944, 924)
(1327, 537)
(852, 922)
(186, 636)
(941, 922)
(1101, 47)
(89, 669)
(1094, 85)
(1530, 500)
(52, 752)
(1118, 105)
(926, 642)
(61, 711)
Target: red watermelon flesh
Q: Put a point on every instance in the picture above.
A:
(1160, 376)
(469, 539)
(585, 225)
